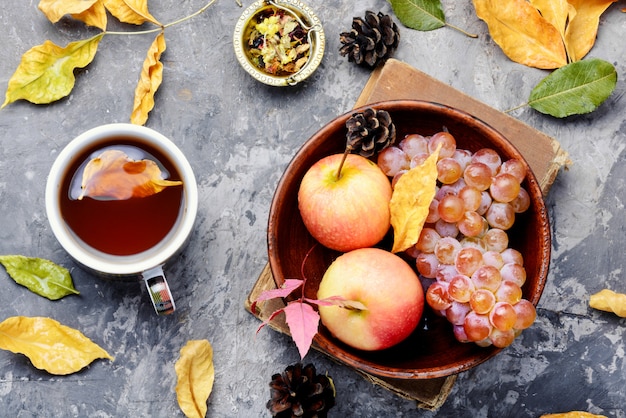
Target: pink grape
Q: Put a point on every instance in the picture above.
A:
(502, 339)
(496, 240)
(461, 288)
(446, 229)
(474, 242)
(472, 198)
(504, 188)
(446, 249)
(445, 190)
(445, 272)
(521, 203)
(485, 202)
(477, 327)
(396, 177)
(447, 141)
(526, 314)
(488, 157)
(503, 316)
(427, 265)
(414, 144)
(468, 260)
(463, 156)
(459, 334)
(515, 167)
(477, 175)
(482, 301)
(471, 224)
(427, 240)
(511, 255)
(493, 258)
(437, 296)
(514, 272)
(418, 159)
(451, 208)
(509, 292)
(448, 170)
(457, 312)
(487, 277)
(433, 212)
(412, 252)
(500, 215)
(391, 160)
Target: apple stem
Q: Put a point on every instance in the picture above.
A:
(345, 155)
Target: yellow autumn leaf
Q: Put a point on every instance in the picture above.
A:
(555, 12)
(114, 175)
(522, 33)
(582, 29)
(90, 12)
(609, 301)
(195, 372)
(149, 81)
(573, 414)
(130, 11)
(46, 72)
(49, 345)
(410, 200)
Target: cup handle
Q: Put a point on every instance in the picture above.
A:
(159, 291)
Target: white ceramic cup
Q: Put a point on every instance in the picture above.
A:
(146, 265)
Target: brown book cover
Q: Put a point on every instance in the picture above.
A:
(398, 80)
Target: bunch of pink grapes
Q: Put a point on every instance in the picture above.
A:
(476, 279)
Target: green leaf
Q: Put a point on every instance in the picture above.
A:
(574, 89)
(40, 276)
(422, 15)
(46, 72)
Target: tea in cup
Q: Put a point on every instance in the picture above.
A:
(122, 199)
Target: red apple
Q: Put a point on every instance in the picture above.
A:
(386, 285)
(348, 211)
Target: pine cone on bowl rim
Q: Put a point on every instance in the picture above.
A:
(372, 39)
(370, 132)
(300, 392)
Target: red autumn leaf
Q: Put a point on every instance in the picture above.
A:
(303, 322)
(285, 290)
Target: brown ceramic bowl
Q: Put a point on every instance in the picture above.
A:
(431, 351)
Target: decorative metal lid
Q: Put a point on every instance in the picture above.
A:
(301, 14)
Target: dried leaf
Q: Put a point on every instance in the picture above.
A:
(114, 175)
(40, 276)
(91, 12)
(196, 374)
(422, 15)
(573, 414)
(555, 12)
(522, 33)
(607, 300)
(149, 81)
(131, 11)
(49, 345)
(577, 88)
(46, 72)
(303, 322)
(583, 26)
(410, 201)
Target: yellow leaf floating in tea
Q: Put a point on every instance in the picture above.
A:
(196, 374)
(410, 200)
(49, 345)
(130, 11)
(607, 300)
(114, 175)
(90, 12)
(522, 33)
(149, 81)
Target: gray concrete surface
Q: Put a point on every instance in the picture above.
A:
(239, 135)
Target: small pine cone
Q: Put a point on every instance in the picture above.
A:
(370, 131)
(300, 392)
(371, 41)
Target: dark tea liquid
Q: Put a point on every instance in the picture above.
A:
(121, 227)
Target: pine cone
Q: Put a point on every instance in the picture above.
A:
(300, 392)
(372, 39)
(370, 131)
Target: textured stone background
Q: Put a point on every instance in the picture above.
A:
(239, 135)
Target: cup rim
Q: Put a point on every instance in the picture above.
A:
(115, 265)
